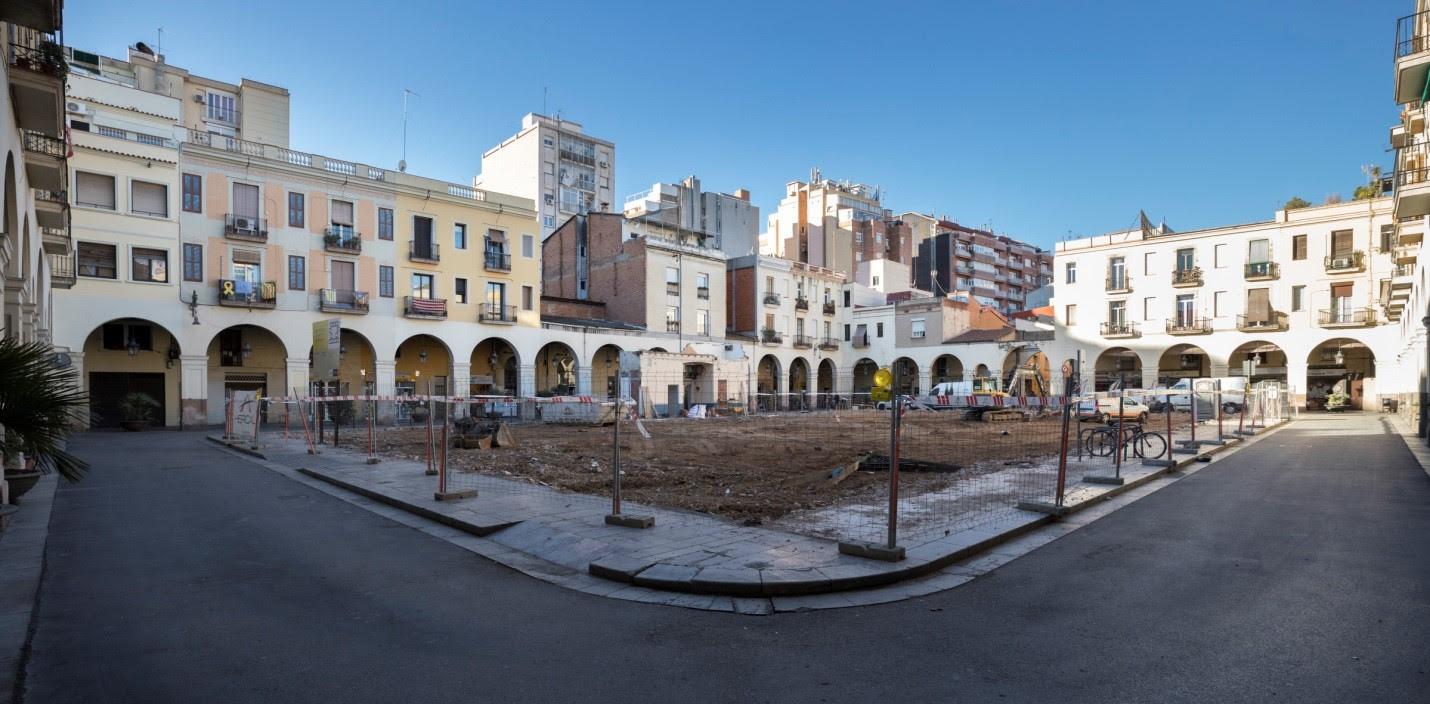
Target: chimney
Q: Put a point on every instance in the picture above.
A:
(742, 194)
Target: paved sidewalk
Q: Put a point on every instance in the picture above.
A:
(22, 559)
(684, 551)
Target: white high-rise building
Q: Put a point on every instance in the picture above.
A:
(551, 161)
(728, 221)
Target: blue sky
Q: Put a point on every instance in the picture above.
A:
(1033, 116)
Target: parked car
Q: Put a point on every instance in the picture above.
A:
(1105, 409)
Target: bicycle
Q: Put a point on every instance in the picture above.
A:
(1146, 444)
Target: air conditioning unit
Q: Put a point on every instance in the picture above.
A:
(1342, 263)
(76, 108)
(245, 224)
(198, 97)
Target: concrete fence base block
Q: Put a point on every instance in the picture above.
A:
(626, 520)
(431, 472)
(1043, 507)
(1211, 442)
(1103, 479)
(872, 551)
(454, 495)
(373, 460)
(1159, 463)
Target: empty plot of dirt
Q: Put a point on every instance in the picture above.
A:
(748, 468)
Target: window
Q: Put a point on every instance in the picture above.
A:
(295, 210)
(148, 265)
(846, 300)
(1070, 314)
(878, 330)
(1218, 304)
(1149, 304)
(702, 286)
(672, 319)
(94, 190)
(1186, 309)
(1258, 251)
(193, 193)
(1298, 247)
(340, 217)
(1186, 259)
(1117, 314)
(1387, 238)
(528, 246)
(117, 336)
(247, 265)
(297, 273)
(1258, 305)
(459, 290)
(245, 200)
(1298, 298)
(1219, 256)
(917, 329)
(1147, 264)
(384, 223)
(846, 332)
(1116, 273)
(193, 262)
(527, 296)
(874, 281)
(149, 199)
(221, 108)
(97, 260)
(702, 322)
(1071, 270)
(1341, 307)
(459, 236)
(424, 286)
(384, 281)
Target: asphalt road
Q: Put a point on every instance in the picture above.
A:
(1295, 570)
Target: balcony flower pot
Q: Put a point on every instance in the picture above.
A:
(136, 411)
(21, 481)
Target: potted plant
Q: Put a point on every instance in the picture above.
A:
(136, 410)
(40, 403)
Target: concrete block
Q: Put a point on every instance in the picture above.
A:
(1103, 479)
(1043, 507)
(779, 582)
(663, 576)
(454, 495)
(872, 551)
(619, 567)
(1158, 463)
(731, 581)
(626, 520)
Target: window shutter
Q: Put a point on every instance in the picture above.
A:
(247, 256)
(342, 213)
(150, 199)
(245, 200)
(1258, 305)
(95, 189)
(1341, 290)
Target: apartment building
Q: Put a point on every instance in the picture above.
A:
(790, 312)
(557, 165)
(665, 280)
(36, 253)
(835, 225)
(995, 270)
(1298, 299)
(1406, 294)
(728, 221)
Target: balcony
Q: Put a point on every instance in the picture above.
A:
(1412, 182)
(342, 240)
(1118, 284)
(1410, 231)
(44, 160)
(829, 307)
(1185, 278)
(1347, 317)
(672, 325)
(1115, 330)
(772, 299)
(702, 292)
(1189, 326)
(1345, 263)
(51, 208)
(425, 308)
(801, 303)
(247, 294)
(245, 227)
(672, 288)
(336, 300)
(55, 240)
(37, 88)
(803, 341)
(1263, 321)
(61, 270)
(1412, 56)
(1263, 271)
(964, 253)
(496, 314)
(860, 341)
(496, 261)
(428, 252)
(770, 337)
(828, 344)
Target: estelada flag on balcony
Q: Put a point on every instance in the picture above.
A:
(429, 305)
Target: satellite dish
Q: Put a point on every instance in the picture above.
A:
(402, 165)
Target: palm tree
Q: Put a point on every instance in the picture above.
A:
(39, 405)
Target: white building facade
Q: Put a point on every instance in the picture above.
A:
(555, 164)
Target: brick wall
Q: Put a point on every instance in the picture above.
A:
(572, 308)
(740, 303)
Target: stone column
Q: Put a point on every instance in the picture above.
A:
(583, 380)
(1149, 377)
(1296, 379)
(461, 386)
(384, 373)
(194, 390)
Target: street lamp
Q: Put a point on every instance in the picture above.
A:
(132, 347)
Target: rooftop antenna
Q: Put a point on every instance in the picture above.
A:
(160, 50)
(543, 99)
(402, 165)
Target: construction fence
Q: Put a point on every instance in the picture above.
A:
(874, 467)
